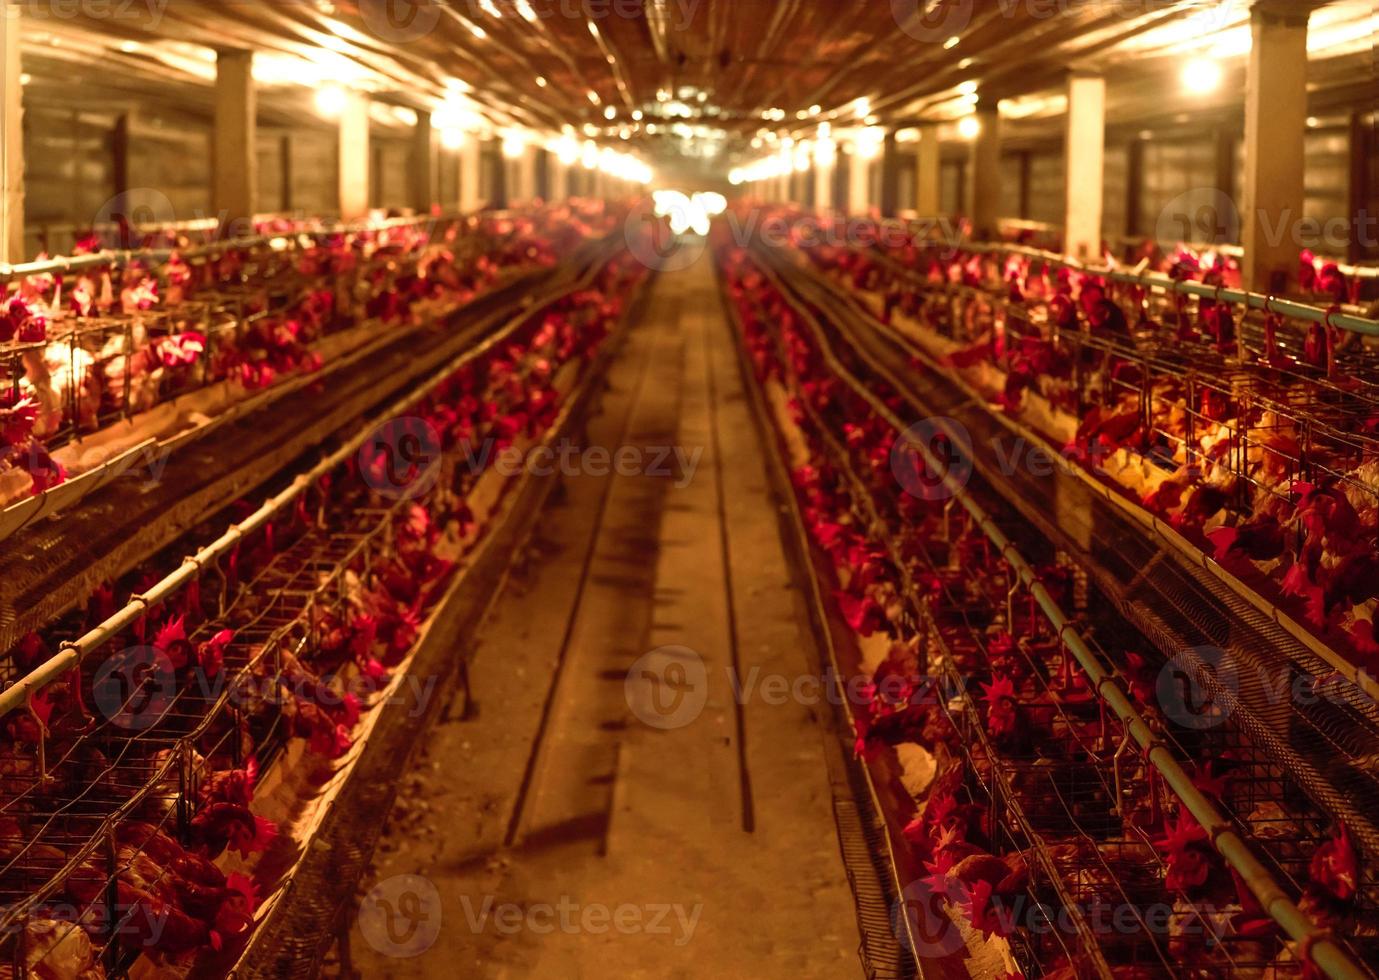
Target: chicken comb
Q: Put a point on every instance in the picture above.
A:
(999, 688)
(170, 633)
(1183, 835)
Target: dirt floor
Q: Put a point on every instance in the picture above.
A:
(606, 805)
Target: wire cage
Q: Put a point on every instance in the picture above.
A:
(1084, 812)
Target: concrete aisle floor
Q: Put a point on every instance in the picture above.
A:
(663, 830)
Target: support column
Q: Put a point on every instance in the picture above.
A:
(986, 171)
(1134, 183)
(423, 153)
(823, 186)
(11, 139)
(234, 160)
(783, 192)
(890, 176)
(928, 169)
(469, 174)
(524, 169)
(1275, 126)
(541, 186)
(1362, 147)
(354, 157)
(859, 184)
(558, 177)
(1084, 146)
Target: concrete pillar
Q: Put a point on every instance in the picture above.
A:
(823, 186)
(1084, 144)
(986, 171)
(928, 169)
(783, 191)
(1275, 125)
(524, 169)
(234, 159)
(559, 178)
(423, 154)
(890, 176)
(469, 174)
(354, 157)
(859, 184)
(11, 138)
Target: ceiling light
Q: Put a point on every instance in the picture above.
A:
(331, 101)
(969, 127)
(861, 108)
(1201, 75)
(610, 113)
(637, 114)
(129, 47)
(487, 7)
(951, 43)
(524, 10)
(593, 97)
(540, 81)
(589, 155)
(814, 110)
(869, 142)
(476, 30)
(968, 87)
(966, 63)
(514, 144)
(566, 150)
(25, 78)
(452, 138)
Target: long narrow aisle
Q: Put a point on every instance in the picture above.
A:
(640, 788)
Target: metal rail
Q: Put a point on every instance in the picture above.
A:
(74, 263)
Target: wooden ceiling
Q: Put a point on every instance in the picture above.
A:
(669, 75)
